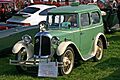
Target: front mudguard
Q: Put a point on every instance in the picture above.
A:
(28, 47)
(62, 47)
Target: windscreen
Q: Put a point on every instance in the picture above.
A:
(62, 20)
(30, 10)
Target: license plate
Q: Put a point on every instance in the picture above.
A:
(49, 69)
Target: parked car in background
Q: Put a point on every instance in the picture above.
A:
(71, 33)
(31, 15)
(10, 34)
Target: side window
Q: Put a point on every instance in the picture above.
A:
(44, 12)
(85, 19)
(95, 17)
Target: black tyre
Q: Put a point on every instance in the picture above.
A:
(68, 61)
(99, 51)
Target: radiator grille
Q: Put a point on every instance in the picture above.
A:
(44, 45)
(37, 45)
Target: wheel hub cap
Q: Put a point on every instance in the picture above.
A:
(66, 61)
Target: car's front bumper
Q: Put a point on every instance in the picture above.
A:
(33, 62)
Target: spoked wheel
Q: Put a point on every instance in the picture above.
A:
(68, 61)
(21, 56)
(99, 51)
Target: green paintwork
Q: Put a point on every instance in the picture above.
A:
(83, 37)
(74, 9)
(9, 41)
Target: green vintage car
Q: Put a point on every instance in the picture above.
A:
(70, 33)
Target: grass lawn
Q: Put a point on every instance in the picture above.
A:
(106, 69)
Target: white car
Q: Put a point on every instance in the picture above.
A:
(31, 15)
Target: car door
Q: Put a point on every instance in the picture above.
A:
(88, 32)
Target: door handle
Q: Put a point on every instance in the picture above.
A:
(81, 33)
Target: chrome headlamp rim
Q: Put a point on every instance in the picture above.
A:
(55, 40)
(27, 38)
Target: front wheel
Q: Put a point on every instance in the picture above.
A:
(68, 61)
(99, 51)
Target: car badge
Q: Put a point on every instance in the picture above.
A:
(37, 40)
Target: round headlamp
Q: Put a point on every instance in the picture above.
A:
(55, 40)
(27, 39)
